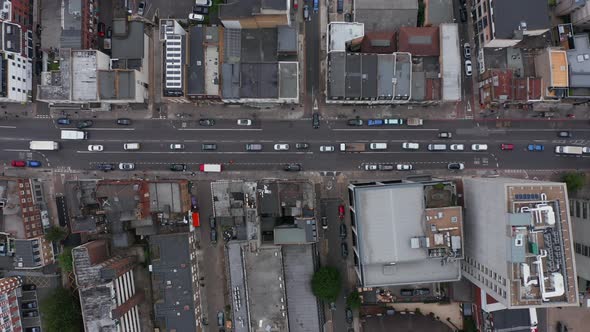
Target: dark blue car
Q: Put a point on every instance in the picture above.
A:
(63, 121)
(375, 122)
(33, 163)
(536, 147)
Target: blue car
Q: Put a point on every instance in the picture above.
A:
(63, 121)
(33, 163)
(316, 6)
(536, 147)
(375, 122)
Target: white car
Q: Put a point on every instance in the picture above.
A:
(457, 147)
(176, 146)
(410, 146)
(244, 122)
(371, 167)
(126, 166)
(404, 167)
(586, 149)
(468, 68)
(393, 121)
(95, 148)
(281, 147)
(327, 148)
(196, 17)
(479, 147)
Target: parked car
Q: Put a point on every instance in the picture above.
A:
(468, 68)
(394, 121)
(212, 222)
(371, 167)
(456, 166)
(406, 292)
(95, 148)
(343, 231)
(203, 10)
(178, 167)
(281, 147)
(315, 120)
(467, 51)
(63, 121)
(564, 134)
(344, 249)
(349, 316)
(29, 305)
(208, 146)
(306, 13)
(207, 122)
(213, 236)
(244, 122)
(85, 124)
(18, 163)
(33, 163)
(375, 122)
(126, 166)
(341, 211)
(32, 313)
(295, 4)
(220, 319)
(105, 167)
(355, 122)
(292, 167)
(421, 292)
(445, 134)
(176, 146)
(457, 147)
(479, 147)
(586, 149)
(29, 287)
(404, 167)
(109, 33)
(33, 329)
(535, 147)
(124, 122)
(463, 15)
(196, 17)
(302, 146)
(325, 222)
(327, 148)
(507, 147)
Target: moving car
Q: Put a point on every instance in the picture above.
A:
(281, 147)
(210, 168)
(564, 134)
(244, 122)
(456, 166)
(292, 167)
(126, 166)
(140, 8)
(212, 222)
(468, 68)
(341, 211)
(410, 146)
(386, 167)
(253, 147)
(445, 134)
(101, 29)
(315, 120)
(208, 146)
(85, 124)
(457, 147)
(302, 146)
(63, 121)
(178, 167)
(220, 320)
(327, 148)
(404, 167)
(467, 51)
(207, 122)
(349, 316)
(33, 163)
(344, 249)
(325, 222)
(375, 122)
(18, 163)
(394, 121)
(124, 122)
(306, 13)
(95, 148)
(176, 146)
(213, 236)
(507, 147)
(535, 147)
(371, 167)
(586, 149)
(355, 122)
(479, 147)
(105, 167)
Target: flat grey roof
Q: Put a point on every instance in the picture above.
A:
(288, 79)
(287, 39)
(237, 281)
(258, 45)
(337, 74)
(509, 14)
(165, 196)
(196, 65)
(23, 254)
(230, 80)
(403, 71)
(71, 34)
(130, 46)
(387, 217)
(353, 75)
(439, 11)
(259, 80)
(579, 62)
(369, 76)
(386, 15)
(106, 80)
(246, 8)
(172, 285)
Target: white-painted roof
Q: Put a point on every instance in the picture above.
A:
(451, 61)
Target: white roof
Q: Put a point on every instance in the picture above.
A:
(450, 68)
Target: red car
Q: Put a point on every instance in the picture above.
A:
(19, 163)
(101, 29)
(507, 147)
(295, 4)
(341, 211)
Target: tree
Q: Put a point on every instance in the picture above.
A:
(353, 300)
(65, 260)
(55, 233)
(326, 283)
(61, 312)
(574, 181)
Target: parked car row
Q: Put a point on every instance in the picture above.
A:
(405, 167)
(83, 124)
(125, 166)
(357, 122)
(25, 163)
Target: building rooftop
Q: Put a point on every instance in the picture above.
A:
(379, 43)
(419, 41)
(286, 39)
(71, 33)
(578, 60)
(302, 231)
(515, 15)
(288, 80)
(195, 73)
(130, 46)
(438, 11)
(559, 67)
(386, 15)
(451, 63)
(248, 8)
(237, 282)
(11, 37)
(116, 84)
(172, 281)
(410, 238)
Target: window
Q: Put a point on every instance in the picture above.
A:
(585, 210)
(577, 248)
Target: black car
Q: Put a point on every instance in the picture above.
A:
(315, 120)
(207, 122)
(178, 167)
(124, 122)
(463, 15)
(344, 249)
(105, 167)
(565, 134)
(355, 122)
(292, 167)
(32, 313)
(85, 124)
(213, 236)
(325, 222)
(203, 10)
(29, 305)
(29, 287)
(212, 222)
(343, 232)
(349, 316)
(406, 292)
(208, 146)
(302, 146)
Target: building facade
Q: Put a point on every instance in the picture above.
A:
(10, 319)
(580, 214)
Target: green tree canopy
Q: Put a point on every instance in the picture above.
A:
(55, 233)
(353, 300)
(61, 312)
(65, 260)
(574, 181)
(326, 283)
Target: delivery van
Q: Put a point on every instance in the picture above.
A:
(378, 146)
(210, 168)
(74, 134)
(131, 146)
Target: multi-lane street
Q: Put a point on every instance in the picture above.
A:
(156, 136)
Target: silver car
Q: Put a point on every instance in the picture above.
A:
(126, 166)
(327, 148)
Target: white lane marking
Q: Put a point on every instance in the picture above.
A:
(195, 152)
(16, 150)
(123, 129)
(384, 129)
(218, 129)
(8, 127)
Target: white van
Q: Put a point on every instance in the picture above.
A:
(210, 168)
(437, 147)
(131, 146)
(410, 146)
(378, 146)
(74, 134)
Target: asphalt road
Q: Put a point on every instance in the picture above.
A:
(312, 59)
(156, 136)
